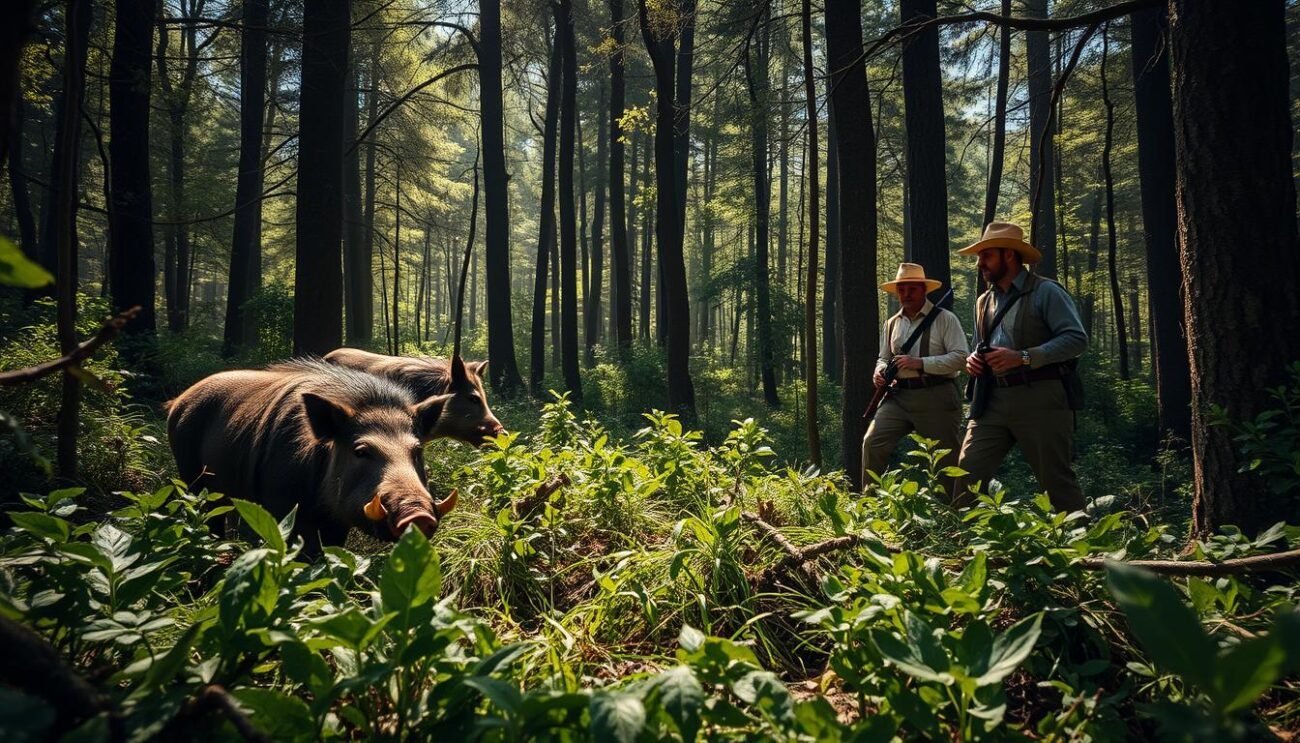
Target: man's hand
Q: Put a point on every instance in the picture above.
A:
(879, 378)
(974, 364)
(1003, 360)
(909, 362)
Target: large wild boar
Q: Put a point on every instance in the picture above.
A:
(341, 445)
(465, 416)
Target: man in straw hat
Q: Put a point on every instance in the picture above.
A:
(924, 393)
(1028, 340)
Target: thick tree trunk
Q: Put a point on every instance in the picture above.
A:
(130, 240)
(239, 330)
(1159, 219)
(1038, 55)
(1116, 294)
(568, 219)
(18, 183)
(545, 221)
(318, 271)
(999, 125)
(927, 176)
(1236, 218)
(814, 213)
(830, 288)
(368, 207)
(503, 370)
(621, 286)
(756, 77)
(857, 191)
(19, 24)
(592, 299)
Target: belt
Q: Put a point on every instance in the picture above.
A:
(1042, 374)
(916, 383)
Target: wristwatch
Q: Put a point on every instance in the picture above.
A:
(1024, 357)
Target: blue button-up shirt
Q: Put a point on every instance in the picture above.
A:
(1054, 305)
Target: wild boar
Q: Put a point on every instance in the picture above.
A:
(342, 445)
(466, 415)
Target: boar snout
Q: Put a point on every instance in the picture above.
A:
(422, 520)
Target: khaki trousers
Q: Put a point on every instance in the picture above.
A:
(933, 412)
(1036, 416)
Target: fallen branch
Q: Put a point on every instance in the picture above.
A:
(526, 506)
(216, 699)
(33, 666)
(795, 557)
(110, 330)
(1255, 563)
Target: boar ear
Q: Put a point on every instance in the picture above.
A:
(458, 373)
(478, 367)
(445, 505)
(426, 414)
(327, 418)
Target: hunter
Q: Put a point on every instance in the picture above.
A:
(923, 395)
(1025, 384)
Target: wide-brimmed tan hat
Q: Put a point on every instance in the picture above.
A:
(911, 273)
(1004, 235)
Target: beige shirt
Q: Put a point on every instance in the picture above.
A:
(948, 347)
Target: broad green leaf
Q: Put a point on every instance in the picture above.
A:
(304, 666)
(165, 668)
(280, 717)
(1163, 624)
(1011, 648)
(1246, 671)
(764, 690)
(249, 586)
(682, 697)
(18, 270)
(920, 656)
(690, 638)
(504, 695)
(261, 522)
(41, 524)
(616, 717)
(413, 574)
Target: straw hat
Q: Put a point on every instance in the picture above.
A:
(911, 273)
(1004, 235)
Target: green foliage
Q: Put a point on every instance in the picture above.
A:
(18, 270)
(1270, 444)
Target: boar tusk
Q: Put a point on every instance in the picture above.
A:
(375, 510)
(445, 505)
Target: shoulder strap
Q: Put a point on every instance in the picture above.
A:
(986, 332)
(889, 334)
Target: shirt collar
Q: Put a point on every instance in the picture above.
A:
(925, 310)
(1018, 282)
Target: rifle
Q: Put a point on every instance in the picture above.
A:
(891, 369)
(979, 388)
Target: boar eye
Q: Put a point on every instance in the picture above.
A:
(362, 450)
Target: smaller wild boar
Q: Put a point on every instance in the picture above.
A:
(465, 417)
(341, 445)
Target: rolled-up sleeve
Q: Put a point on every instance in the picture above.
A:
(1069, 340)
(953, 342)
(882, 359)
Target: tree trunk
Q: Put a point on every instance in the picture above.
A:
(503, 370)
(592, 304)
(857, 191)
(397, 261)
(18, 27)
(357, 282)
(1236, 216)
(1155, 125)
(18, 183)
(830, 288)
(568, 218)
(1116, 294)
(367, 320)
(130, 221)
(927, 176)
(545, 220)
(621, 291)
(647, 223)
(1094, 250)
(811, 168)
(318, 274)
(239, 330)
(1038, 55)
(756, 77)
(999, 125)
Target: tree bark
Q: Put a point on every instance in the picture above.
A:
(647, 223)
(812, 169)
(130, 243)
(592, 298)
(357, 282)
(927, 175)
(568, 218)
(1155, 124)
(545, 220)
(621, 291)
(668, 227)
(1236, 217)
(77, 18)
(857, 191)
(999, 125)
(1038, 56)
(18, 183)
(368, 206)
(504, 369)
(239, 330)
(756, 77)
(830, 289)
(318, 274)
(1116, 293)
(1094, 250)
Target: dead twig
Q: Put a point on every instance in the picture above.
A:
(110, 330)
(526, 506)
(796, 557)
(1255, 563)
